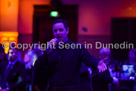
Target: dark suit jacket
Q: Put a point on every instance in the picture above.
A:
(15, 78)
(63, 67)
(100, 81)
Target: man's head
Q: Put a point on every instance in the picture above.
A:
(104, 52)
(60, 30)
(12, 54)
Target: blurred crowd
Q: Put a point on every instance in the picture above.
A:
(17, 74)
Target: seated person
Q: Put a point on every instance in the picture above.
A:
(132, 57)
(100, 81)
(29, 61)
(131, 60)
(111, 63)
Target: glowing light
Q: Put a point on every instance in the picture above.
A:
(130, 8)
(15, 34)
(7, 37)
(54, 13)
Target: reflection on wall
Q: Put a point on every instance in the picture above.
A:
(8, 15)
(94, 15)
(25, 18)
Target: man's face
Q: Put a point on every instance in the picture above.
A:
(105, 53)
(60, 32)
(12, 55)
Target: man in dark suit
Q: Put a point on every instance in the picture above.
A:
(13, 73)
(101, 81)
(60, 67)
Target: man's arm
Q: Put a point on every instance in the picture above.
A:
(92, 62)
